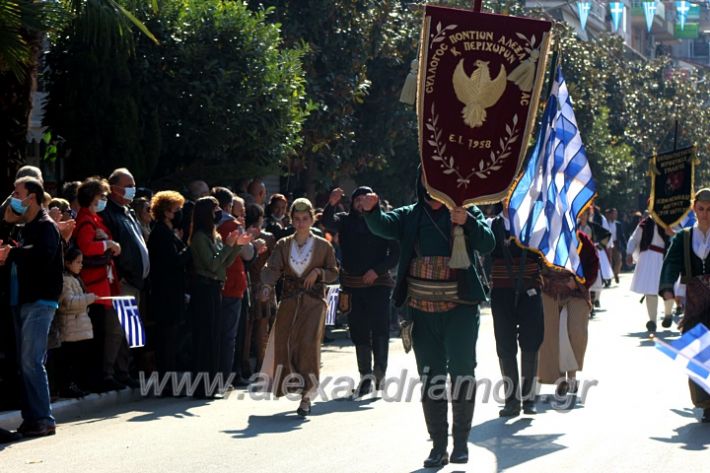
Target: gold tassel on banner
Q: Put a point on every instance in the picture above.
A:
(459, 254)
(409, 91)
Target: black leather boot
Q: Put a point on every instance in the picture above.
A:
(364, 366)
(528, 364)
(509, 370)
(435, 412)
(463, 403)
(380, 350)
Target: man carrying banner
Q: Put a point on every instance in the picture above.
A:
(688, 257)
(365, 283)
(443, 304)
(479, 82)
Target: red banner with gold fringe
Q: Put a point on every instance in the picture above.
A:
(480, 77)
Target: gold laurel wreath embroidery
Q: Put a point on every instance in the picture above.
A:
(530, 41)
(440, 33)
(485, 167)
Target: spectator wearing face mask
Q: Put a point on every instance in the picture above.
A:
(36, 266)
(169, 258)
(95, 241)
(211, 256)
(141, 206)
(133, 263)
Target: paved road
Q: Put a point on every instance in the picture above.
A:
(637, 418)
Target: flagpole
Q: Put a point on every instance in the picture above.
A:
(683, 355)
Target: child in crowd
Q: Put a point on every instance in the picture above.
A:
(74, 325)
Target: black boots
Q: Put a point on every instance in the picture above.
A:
(435, 412)
(380, 350)
(364, 366)
(514, 392)
(509, 370)
(364, 354)
(528, 365)
(463, 403)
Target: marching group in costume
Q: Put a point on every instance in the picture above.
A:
(540, 306)
(420, 258)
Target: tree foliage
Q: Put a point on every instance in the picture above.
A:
(220, 93)
(626, 108)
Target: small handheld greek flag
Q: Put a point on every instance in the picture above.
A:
(692, 351)
(332, 297)
(127, 310)
(689, 220)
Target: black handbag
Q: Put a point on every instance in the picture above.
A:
(97, 261)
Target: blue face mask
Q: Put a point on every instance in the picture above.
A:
(129, 193)
(17, 207)
(101, 205)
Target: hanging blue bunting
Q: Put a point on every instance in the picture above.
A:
(681, 13)
(617, 12)
(649, 11)
(583, 9)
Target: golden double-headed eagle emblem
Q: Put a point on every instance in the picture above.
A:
(478, 91)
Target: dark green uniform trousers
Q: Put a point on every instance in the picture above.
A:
(445, 343)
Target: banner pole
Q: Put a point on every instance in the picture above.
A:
(675, 137)
(476, 5)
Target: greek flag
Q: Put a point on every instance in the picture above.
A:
(332, 297)
(127, 310)
(689, 220)
(692, 351)
(555, 187)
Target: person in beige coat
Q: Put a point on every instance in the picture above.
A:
(306, 263)
(567, 304)
(74, 326)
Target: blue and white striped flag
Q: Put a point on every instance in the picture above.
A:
(333, 297)
(692, 351)
(556, 186)
(127, 310)
(689, 220)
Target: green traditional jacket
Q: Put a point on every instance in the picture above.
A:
(674, 264)
(416, 233)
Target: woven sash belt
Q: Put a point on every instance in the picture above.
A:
(435, 291)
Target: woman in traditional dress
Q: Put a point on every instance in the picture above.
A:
(306, 263)
(566, 303)
(647, 247)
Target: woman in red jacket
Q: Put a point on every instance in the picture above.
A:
(94, 240)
